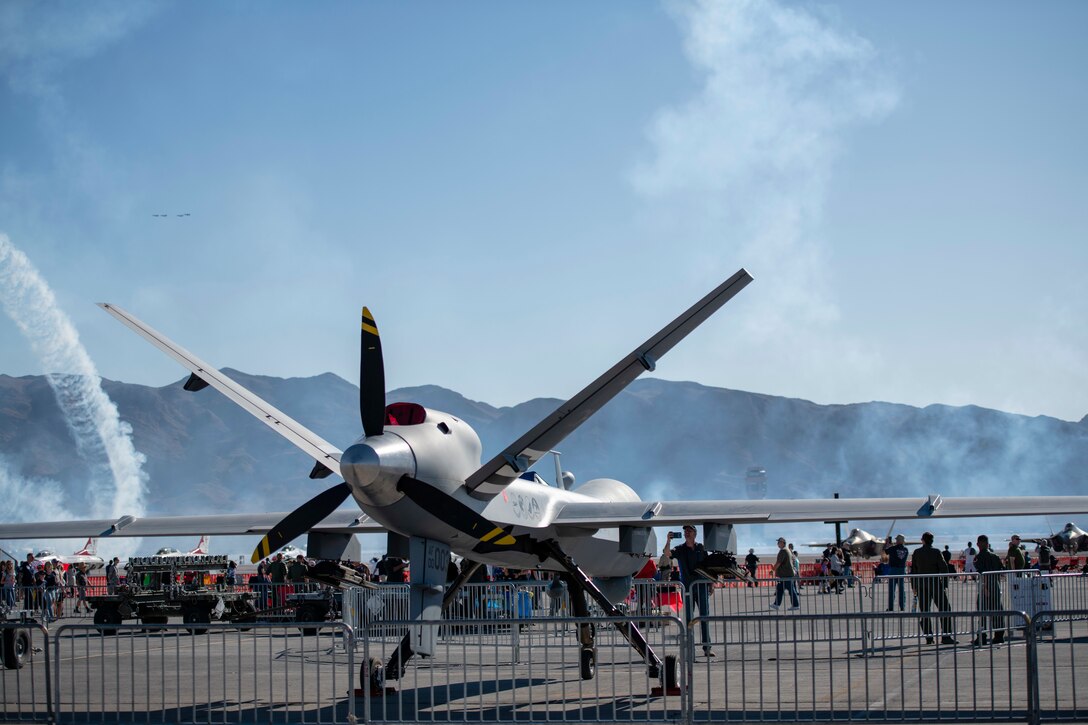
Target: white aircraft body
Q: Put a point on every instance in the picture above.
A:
(419, 473)
(201, 548)
(87, 555)
(291, 551)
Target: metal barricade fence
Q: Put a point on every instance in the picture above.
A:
(361, 606)
(768, 667)
(656, 598)
(960, 590)
(275, 599)
(733, 597)
(263, 672)
(728, 600)
(53, 603)
(484, 670)
(1060, 654)
(1027, 590)
(1067, 592)
(24, 672)
(490, 600)
(774, 669)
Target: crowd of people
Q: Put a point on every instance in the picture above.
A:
(44, 586)
(929, 571)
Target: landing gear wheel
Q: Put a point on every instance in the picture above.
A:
(588, 664)
(104, 615)
(670, 681)
(372, 677)
(16, 648)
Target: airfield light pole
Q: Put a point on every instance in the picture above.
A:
(838, 530)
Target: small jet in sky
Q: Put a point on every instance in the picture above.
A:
(419, 473)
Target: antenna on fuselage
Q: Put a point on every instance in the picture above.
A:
(563, 479)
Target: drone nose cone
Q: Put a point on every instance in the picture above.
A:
(373, 467)
(360, 464)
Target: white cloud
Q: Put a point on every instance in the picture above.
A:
(37, 40)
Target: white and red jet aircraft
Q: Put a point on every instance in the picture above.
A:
(418, 473)
(87, 555)
(201, 548)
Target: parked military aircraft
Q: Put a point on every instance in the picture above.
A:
(1070, 539)
(417, 472)
(87, 555)
(201, 548)
(861, 543)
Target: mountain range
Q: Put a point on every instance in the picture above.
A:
(666, 439)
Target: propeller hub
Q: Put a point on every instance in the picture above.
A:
(373, 466)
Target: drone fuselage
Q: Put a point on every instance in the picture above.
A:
(443, 451)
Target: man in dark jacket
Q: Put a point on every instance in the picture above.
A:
(26, 581)
(989, 591)
(297, 571)
(751, 563)
(931, 589)
(277, 571)
(689, 557)
(1015, 558)
(897, 554)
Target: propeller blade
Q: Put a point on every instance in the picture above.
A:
(301, 520)
(491, 536)
(371, 378)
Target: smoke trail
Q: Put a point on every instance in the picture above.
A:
(34, 499)
(117, 482)
(741, 169)
(30, 499)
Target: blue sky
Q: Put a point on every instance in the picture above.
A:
(523, 192)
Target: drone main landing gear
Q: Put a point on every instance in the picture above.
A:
(580, 585)
(372, 680)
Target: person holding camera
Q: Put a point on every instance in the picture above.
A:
(786, 574)
(689, 556)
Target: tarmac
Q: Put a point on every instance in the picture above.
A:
(836, 663)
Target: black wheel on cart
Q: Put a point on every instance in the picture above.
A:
(16, 649)
(107, 615)
(244, 613)
(588, 664)
(308, 613)
(194, 615)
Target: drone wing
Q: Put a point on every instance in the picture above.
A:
(520, 455)
(324, 453)
(341, 522)
(668, 513)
